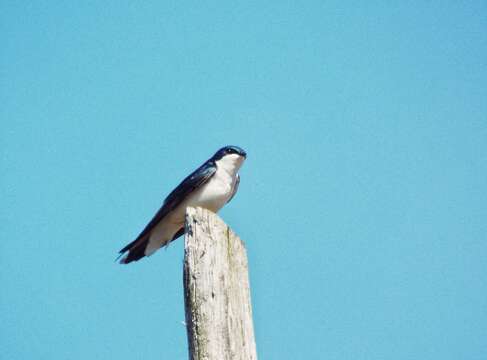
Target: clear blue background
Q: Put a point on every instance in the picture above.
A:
(363, 201)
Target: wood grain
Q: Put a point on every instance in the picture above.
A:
(216, 287)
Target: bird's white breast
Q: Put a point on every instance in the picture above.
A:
(216, 192)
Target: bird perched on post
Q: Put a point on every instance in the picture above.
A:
(210, 186)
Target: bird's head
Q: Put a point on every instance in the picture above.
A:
(230, 157)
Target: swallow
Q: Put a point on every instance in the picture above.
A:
(210, 186)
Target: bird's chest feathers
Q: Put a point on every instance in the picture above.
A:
(220, 185)
(217, 191)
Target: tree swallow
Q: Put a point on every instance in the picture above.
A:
(210, 186)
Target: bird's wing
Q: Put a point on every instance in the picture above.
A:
(235, 188)
(197, 178)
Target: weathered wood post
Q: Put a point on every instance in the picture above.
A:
(216, 290)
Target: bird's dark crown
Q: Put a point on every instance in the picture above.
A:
(227, 150)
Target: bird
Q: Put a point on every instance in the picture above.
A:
(210, 186)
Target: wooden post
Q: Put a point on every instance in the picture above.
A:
(216, 290)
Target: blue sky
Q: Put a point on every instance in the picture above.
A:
(362, 201)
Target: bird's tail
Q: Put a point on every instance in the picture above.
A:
(141, 247)
(133, 251)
